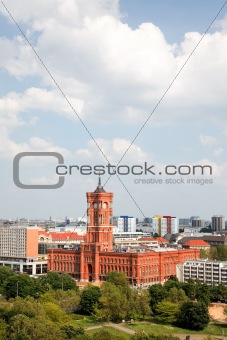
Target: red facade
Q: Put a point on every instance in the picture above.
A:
(97, 257)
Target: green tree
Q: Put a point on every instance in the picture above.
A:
(222, 253)
(70, 332)
(204, 253)
(172, 282)
(19, 285)
(214, 293)
(176, 295)
(5, 309)
(206, 229)
(3, 329)
(47, 297)
(56, 281)
(166, 312)
(42, 328)
(48, 314)
(113, 302)
(203, 292)
(27, 306)
(54, 313)
(193, 315)
(19, 326)
(132, 303)
(157, 293)
(68, 300)
(89, 298)
(222, 292)
(218, 292)
(213, 253)
(190, 289)
(118, 279)
(142, 303)
(5, 272)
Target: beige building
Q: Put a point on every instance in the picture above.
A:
(19, 241)
(19, 250)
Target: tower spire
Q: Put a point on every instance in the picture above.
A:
(99, 182)
(99, 187)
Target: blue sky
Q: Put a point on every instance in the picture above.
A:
(113, 60)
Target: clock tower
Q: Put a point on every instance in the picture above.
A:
(99, 233)
(99, 212)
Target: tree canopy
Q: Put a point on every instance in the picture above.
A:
(89, 299)
(193, 315)
(56, 281)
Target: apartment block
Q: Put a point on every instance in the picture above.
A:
(19, 241)
(163, 225)
(218, 222)
(197, 223)
(126, 224)
(206, 271)
(19, 250)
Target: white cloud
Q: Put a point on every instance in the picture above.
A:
(122, 71)
(218, 151)
(44, 180)
(13, 104)
(69, 13)
(207, 140)
(9, 148)
(119, 72)
(113, 150)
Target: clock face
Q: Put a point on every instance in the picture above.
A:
(104, 205)
(95, 205)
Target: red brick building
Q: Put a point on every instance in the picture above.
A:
(93, 259)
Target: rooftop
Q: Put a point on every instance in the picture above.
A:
(99, 187)
(193, 243)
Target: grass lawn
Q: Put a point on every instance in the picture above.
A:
(84, 320)
(148, 327)
(124, 336)
(212, 329)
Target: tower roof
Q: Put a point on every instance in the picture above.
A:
(99, 187)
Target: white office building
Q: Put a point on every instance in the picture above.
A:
(126, 224)
(206, 271)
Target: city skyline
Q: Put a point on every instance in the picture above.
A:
(116, 63)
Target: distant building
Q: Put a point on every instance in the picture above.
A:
(147, 220)
(218, 223)
(184, 222)
(19, 250)
(144, 227)
(212, 240)
(197, 223)
(19, 242)
(192, 218)
(126, 224)
(209, 272)
(195, 244)
(163, 225)
(64, 240)
(113, 220)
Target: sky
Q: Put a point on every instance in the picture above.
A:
(131, 83)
